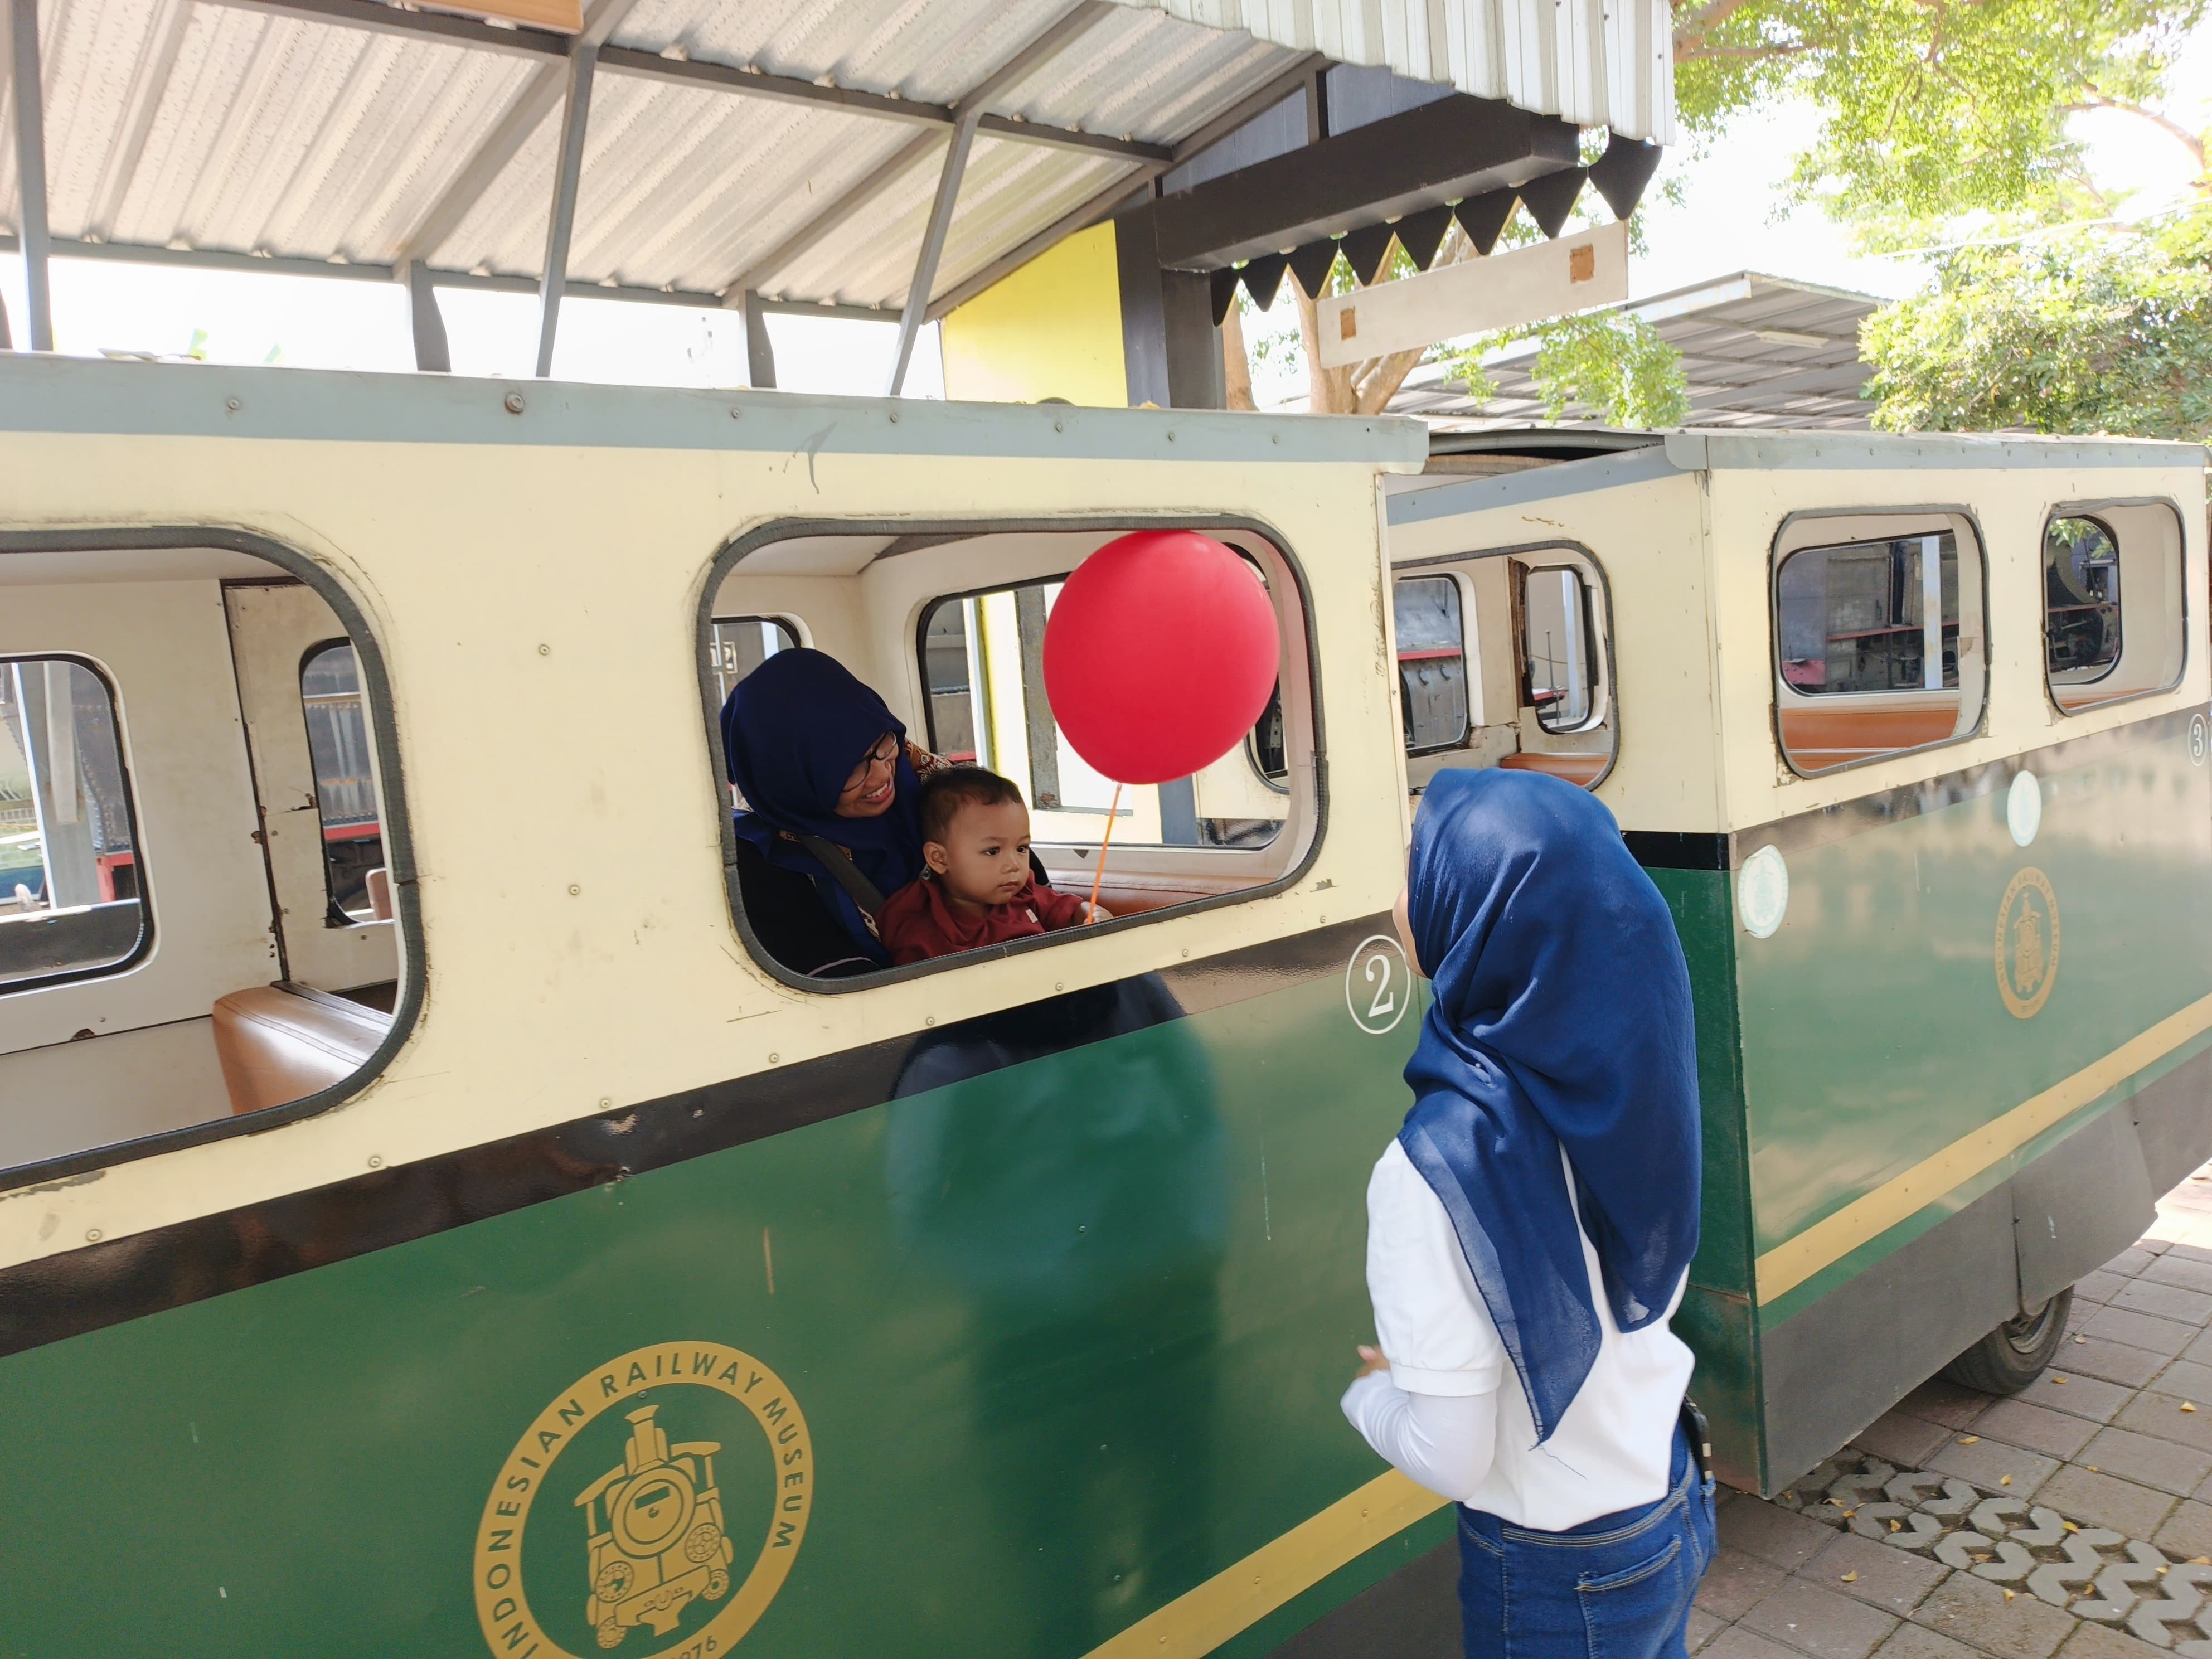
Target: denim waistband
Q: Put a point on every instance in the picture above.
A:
(1682, 1475)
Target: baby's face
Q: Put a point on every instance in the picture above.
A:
(985, 855)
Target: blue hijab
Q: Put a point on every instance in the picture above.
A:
(1561, 1018)
(793, 731)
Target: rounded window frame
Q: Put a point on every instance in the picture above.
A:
(144, 947)
(399, 844)
(729, 558)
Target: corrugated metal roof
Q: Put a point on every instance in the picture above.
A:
(1595, 62)
(1758, 351)
(353, 132)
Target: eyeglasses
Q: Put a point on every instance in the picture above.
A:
(884, 756)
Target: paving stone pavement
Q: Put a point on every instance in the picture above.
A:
(2072, 1521)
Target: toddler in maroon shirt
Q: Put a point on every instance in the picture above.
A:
(978, 889)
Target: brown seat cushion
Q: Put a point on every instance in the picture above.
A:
(281, 1043)
(1584, 770)
(1818, 738)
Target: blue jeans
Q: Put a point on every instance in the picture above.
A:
(1615, 1588)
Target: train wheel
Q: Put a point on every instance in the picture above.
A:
(611, 1633)
(718, 1584)
(2013, 1355)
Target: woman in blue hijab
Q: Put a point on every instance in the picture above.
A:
(1530, 1230)
(829, 828)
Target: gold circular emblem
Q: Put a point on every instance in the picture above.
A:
(651, 1543)
(2027, 943)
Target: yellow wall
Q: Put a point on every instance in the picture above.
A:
(1053, 328)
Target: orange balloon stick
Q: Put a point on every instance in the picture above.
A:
(1104, 842)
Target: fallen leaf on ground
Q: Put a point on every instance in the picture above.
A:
(2007, 1595)
(2186, 1406)
(2004, 1480)
(1850, 1578)
(2060, 1381)
(1969, 1440)
(2069, 1526)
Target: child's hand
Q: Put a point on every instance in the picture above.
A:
(1095, 912)
(1371, 1360)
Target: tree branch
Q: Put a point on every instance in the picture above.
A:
(2192, 143)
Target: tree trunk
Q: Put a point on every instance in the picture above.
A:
(1236, 363)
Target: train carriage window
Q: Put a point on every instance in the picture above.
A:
(947, 624)
(1504, 660)
(2112, 604)
(996, 641)
(1431, 663)
(249, 805)
(741, 644)
(345, 787)
(70, 898)
(1557, 647)
(1876, 640)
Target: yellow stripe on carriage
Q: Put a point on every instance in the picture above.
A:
(1789, 1265)
(1232, 1602)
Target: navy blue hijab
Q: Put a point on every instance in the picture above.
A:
(1561, 1018)
(793, 731)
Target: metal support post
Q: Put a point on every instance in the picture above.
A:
(760, 351)
(933, 244)
(31, 167)
(426, 322)
(567, 169)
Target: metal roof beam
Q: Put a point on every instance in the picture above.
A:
(501, 145)
(210, 259)
(568, 173)
(1117, 194)
(933, 250)
(31, 170)
(1054, 37)
(538, 45)
(374, 15)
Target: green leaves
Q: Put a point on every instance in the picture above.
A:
(2082, 330)
(1614, 366)
(1932, 106)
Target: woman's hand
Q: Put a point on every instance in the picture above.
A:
(1371, 1360)
(1095, 912)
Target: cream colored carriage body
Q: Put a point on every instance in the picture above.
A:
(529, 591)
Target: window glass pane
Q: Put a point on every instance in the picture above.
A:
(345, 787)
(1871, 617)
(1555, 643)
(1431, 663)
(741, 644)
(71, 895)
(2081, 601)
(983, 657)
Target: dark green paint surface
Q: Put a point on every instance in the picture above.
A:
(1874, 1034)
(1069, 1339)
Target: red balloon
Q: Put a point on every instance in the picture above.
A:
(1160, 654)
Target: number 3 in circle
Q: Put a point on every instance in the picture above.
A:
(1377, 984)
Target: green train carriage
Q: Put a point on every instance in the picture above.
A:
(359, 1211)
(1911, 732)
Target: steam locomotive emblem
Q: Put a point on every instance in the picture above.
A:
(2027, 944)
(662, 1544)
(655, 1552)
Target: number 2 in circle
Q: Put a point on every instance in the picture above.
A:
(1385, 1005)
(1377, 983)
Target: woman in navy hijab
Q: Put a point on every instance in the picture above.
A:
(1530, 1230)
(829, 783)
